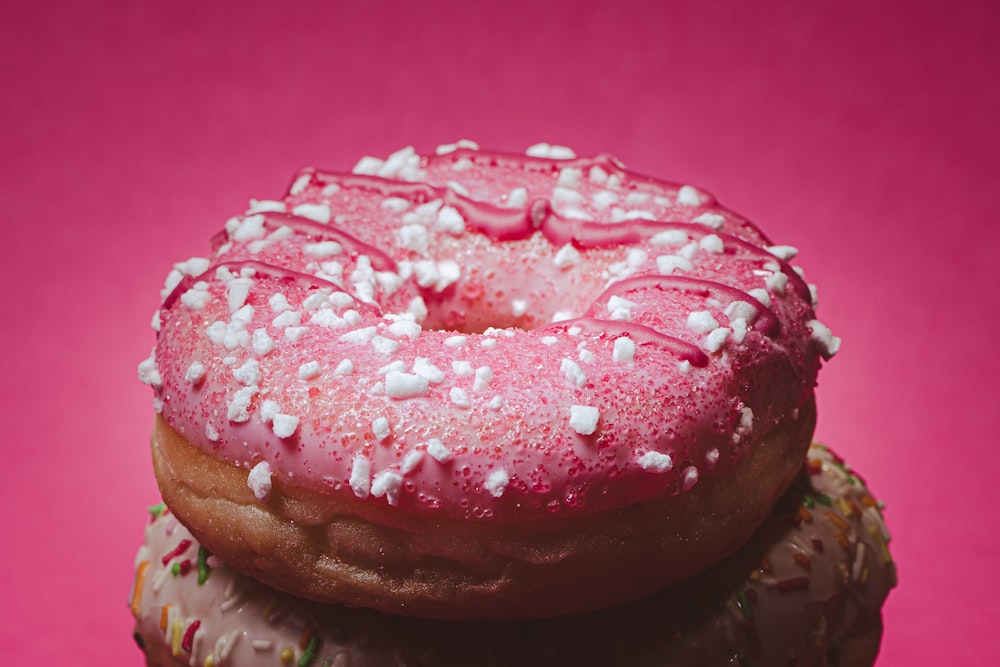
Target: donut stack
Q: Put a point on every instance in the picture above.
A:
(479, 408)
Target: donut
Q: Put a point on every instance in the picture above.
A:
(806, 590)
(458, 385)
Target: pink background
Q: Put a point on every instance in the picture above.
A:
(863, 133)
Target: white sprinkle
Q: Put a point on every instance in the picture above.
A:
(411, 461)
(360, 480)
(212, 433)
(262, 342)
(604, 199)
(784, 252)
(550, 151)
(620, 309)
(414, 237)
(669, 237)
(713, 220)
(239, 407)
(148, 372)
(597, 175)
(278, 303)
(655, 462)
(388, 484)
(438, 451)
(684, 367)
(309, 370)
(561, 315)
(688, 196)
(449, 272)
(483, 376)
(380, 427)
(488, 343)
(260, 645)
(238, 290)
(586, 356)
(455, 341)
(549, 340)
(318, 212)
(813, 297)
(746, 421)
(345, 367)
(267, 205)
(741, 309)
(517, 198)
(287, 318)
(828, 343)
(496, 483)
(259, 481)
(495, 403)
(444, 149)
(252, 227)
(624, 350)
(284, 426)
(740, 329)
(519, 307)
(328, 319)
(711, 243)
(395, 204)
(667, 264)
(449, 220)
(583, 419)
(688, 251)
(761, 295)
(384, 346)
(405, 328)
(294, 333)
(323, 249)
(716, 339)
(300, 184)
(195, 373)
(397, 365)
(423, 367)
(358, 336)
(197, 297)
(462, 368)
(701, 321)
(711, 458)
(341, 299)
(689, 478)
(776, 282)
(566, 257)
(248, 373)
(460, 398)
(404, 385)
(573, 372)
(268, 409)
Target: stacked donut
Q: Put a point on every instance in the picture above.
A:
(481, 408)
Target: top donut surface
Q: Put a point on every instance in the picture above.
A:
(485, 335)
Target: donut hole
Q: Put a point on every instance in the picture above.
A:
(507, 287)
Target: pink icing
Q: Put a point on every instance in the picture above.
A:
(441, 295)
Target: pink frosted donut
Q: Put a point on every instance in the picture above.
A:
(463, 394)
(805, 591)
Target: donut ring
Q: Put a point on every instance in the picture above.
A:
(462, 396)
(806, 590)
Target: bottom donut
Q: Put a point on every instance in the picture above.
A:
(806, 590)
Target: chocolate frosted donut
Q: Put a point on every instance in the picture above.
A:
(806, 590)
(511, 386)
